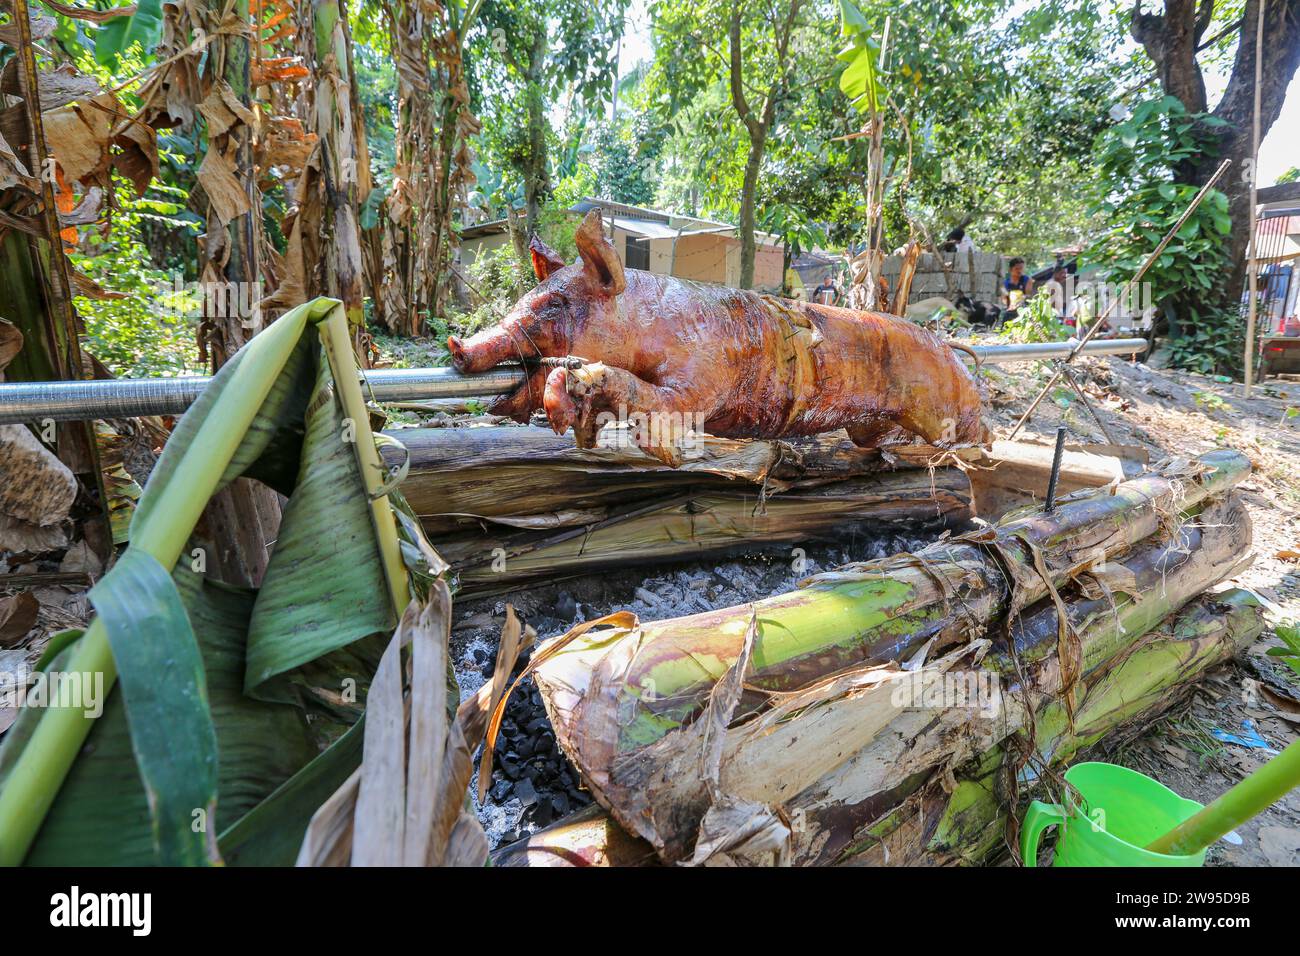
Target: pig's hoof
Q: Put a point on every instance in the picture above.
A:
(561, 409)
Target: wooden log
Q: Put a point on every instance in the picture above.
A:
(1109, 610)
(964, 819)
(691, 524)
(459, 476)
(842, 634)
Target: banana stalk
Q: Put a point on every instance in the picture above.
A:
(960, 818)
(842, 633)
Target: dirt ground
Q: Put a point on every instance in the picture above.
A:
(1172, 413)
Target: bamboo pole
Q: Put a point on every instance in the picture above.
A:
(1263, 788)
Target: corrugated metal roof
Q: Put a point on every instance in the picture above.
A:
(660, 230)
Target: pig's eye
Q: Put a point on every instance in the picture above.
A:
(556, 302)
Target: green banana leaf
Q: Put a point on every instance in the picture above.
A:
(165, 691)
(324, 586)
(211, 719)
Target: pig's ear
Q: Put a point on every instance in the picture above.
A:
(599, 259)
(545, 259)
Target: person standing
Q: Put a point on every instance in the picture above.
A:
(825, 293)
(1060, 288)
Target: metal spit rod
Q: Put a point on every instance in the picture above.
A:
(33, 402)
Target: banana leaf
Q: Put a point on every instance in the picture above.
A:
(217, 683)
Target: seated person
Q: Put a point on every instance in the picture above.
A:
(1016, 287)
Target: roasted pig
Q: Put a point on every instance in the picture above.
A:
(670, 356)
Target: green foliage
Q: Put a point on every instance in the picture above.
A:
(1288, 634)
(861, 79)
(145, 332)
(496, 278)
(377, 90)
(1035, 321)
(143, 28)
(1136, 161)
(622, 157)
(1213, 344)
(524, 56)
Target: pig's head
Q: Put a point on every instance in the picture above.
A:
(549, 320)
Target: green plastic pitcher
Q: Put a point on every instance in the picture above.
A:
(1118, 812)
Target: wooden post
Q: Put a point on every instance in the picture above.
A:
(1251, 262)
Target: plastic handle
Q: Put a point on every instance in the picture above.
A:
(1038, 818)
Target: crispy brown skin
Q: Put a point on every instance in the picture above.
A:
(750, 365)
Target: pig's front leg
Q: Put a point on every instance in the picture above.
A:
(524, 400)
(597, 394)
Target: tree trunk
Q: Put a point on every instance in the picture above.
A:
(409, 213)
(748, 199)
(243, 518)
(231, 267)
(1170, 39)
(334, 117)
(536, 181)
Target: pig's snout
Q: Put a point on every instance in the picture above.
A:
(457, 349)
(487, 349)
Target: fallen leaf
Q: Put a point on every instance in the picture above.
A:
(18, 615)
(1288, 708)
(81, 558)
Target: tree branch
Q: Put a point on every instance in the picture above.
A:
(1203, 17)
(1281, 59)
(736, 65)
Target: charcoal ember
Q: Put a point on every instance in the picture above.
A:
(543, 814)
(501, 791)
(525, 793)
(566, 608)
